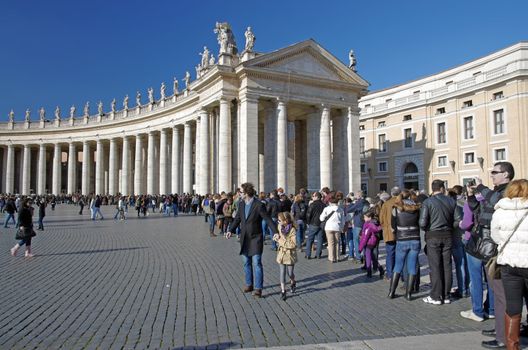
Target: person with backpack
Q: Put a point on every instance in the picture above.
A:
(298, 210)
(358, 210)
(10, 210)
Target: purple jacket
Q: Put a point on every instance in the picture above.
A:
(467, 221)
(368, 235)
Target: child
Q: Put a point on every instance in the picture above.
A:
(286, 252)
(369, 238)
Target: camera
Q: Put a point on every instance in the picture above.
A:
(471, 183)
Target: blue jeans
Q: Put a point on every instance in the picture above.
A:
(476, 286)
(250, 263)
(267, 230)
(95, 211)
(212, 222)
(390, 258)
(356, 231)
(41, 223)
(314, 232)
(461, 265)
(9, 216)
(175, 209)
(406, 253)
(300, 233)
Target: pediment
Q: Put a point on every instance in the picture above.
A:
(307, 59)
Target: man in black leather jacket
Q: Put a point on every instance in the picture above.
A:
(438, 218)
(315, 209)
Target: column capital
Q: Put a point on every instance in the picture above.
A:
(249, 98)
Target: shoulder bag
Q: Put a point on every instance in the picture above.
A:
(323, 223)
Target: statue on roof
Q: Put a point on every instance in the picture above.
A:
(11, 116)
(162, 91)
(86, 109)
(113, 105)
(125, 102)
(187, 80)
(100, 107)
(225, 38)
(250, 39)
(205, 58)
(138, 99)
(28, 115)
(72, 111)
(352, 60)
(151, 95)
(175, 86)
(212, 60)
(57, 113)
(42, 114)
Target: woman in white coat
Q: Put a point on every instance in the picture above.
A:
(511, 213)
(335, 222)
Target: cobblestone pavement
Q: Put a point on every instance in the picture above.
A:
(163, 283)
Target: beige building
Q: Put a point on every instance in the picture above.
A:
(453, 125)
(288, 118)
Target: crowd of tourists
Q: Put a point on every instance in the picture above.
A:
(475, 231)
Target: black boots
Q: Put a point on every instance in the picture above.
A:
(410, 287)
(381, 271)
(369, 272)
(393, 284)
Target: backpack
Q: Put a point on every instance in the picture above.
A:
(303, 208)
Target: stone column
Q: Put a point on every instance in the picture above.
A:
(204, 152)
(339, 161)
(248, 140)
(10, 171)
(325, 147)
(99, 168)
(125, 166)
(112, 168)
(56, 182)
(224, 147)
(138, 165)
(354, 172)
(270, 148)
(72, 162)
(176, 159)
(26, 170)
(282, 146)
(313, 126)
(151, 159)
(187, 158)
(197, 154)
(42, 170)
(86, 188)
(163, 188)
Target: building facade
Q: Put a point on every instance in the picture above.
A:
(288, 118)
(453, 125)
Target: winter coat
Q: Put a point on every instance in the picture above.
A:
(287, 250)
(508, 212)
(368, 235)
(386, 220)
(335, 222)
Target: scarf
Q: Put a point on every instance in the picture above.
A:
(286, 229)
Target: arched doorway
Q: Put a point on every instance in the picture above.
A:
(410, 176)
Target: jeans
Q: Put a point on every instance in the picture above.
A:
(212, 222)
(439, 256)
(95, 211)
(9, 216)
(41, 223)
(390, 258)
(314, 232)
(175, 209)
(356, 231)
(461, 265)
(407, 253)
(250, 263)
(26, 241)
(300, 233)
(476, 287)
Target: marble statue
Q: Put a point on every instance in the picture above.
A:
(100, 107)
(187, 80)
(175, 86)
(198, 71)
(57, 113)
(151, 95)
(225, 38)
(205, 57)
(250, 39)
(138, 99)
(212, 60)
(87, 109)
(42, 114)
(28, 115)
(72, 112)
(11, 116)
(352, 60)
(125, 103)
(113, 105)
(162, 91)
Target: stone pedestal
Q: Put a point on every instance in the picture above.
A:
(42, 125)
(27, 125)
(226, 59)
(247, 55)
(10, 125)
(57, 122)
(125, 113)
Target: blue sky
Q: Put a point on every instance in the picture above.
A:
(59, 52)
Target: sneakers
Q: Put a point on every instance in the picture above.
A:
(447, 301)
(429, 300)
(470, 315)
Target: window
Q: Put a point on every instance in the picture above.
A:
(364, 188)
(498, 95)
(362, 145)
(441, 133)
(498, 121)
(442, 161)
(383, 187)
(362, 127)
(500, 154)
(382, 167)
(382, 143)
(440, 110)
(363, 168)
(467, 104)
(468, 128)
(407, 134)
(469, 158)
(381, 124)
(407, 117)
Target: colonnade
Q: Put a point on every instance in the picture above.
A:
(214, 151)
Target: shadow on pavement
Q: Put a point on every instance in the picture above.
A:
(92, 251)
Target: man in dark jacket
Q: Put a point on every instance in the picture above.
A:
(273, 207)
(501, 175)
(438, 218)
(249, 216)
(314, 226)
(10, 209)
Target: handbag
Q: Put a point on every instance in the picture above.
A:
(323, 223)
(481, 246)
(492, 266)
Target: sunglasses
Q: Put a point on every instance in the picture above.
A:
(494, 172)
